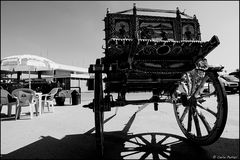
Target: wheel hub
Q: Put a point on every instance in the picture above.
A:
(188, 101)
(192, 101)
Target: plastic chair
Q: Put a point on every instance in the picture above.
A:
(26, 98)
(48, 99)
(9, 100)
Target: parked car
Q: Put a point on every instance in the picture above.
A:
(235, 74)
(230, 82)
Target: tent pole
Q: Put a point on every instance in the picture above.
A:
(29, 79)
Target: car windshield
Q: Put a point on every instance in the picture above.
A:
(230, 78)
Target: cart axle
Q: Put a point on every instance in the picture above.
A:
(106, 106)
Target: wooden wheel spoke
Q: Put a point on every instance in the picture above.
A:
(184, 114)
(193, 83)
(189, 82)
(197, 126)
(207, 109)
(200, 86)
(206, 95)
(203, 119)
(189, 127)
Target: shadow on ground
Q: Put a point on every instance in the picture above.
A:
(123, 145)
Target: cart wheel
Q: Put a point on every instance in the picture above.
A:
(200, 106)
(98, 113)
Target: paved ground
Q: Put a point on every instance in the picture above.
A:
(69, 133)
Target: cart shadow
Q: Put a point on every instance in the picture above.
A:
(123, 145)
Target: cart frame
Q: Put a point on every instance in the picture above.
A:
(134, 62)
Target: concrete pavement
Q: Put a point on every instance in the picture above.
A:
(69, 133)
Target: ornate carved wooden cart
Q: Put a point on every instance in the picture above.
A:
(165, 56)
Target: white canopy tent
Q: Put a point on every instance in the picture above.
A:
(26, 64)
(32, 64)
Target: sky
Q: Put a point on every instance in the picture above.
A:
(71, 32)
